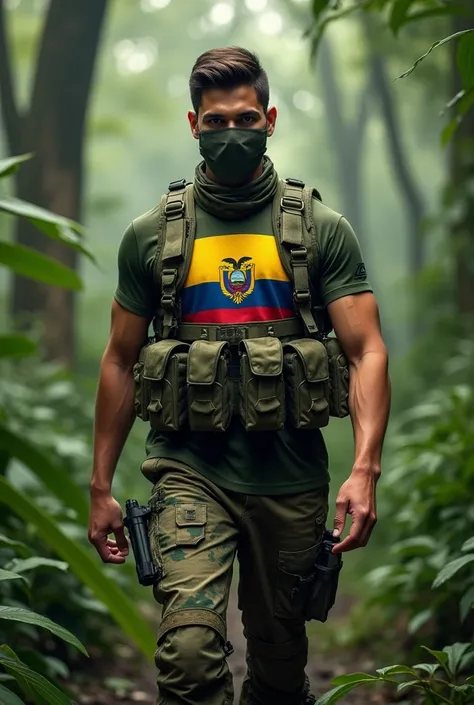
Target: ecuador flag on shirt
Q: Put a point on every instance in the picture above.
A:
(236, 278)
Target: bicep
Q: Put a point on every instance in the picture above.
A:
(356, 322)
(128, 333)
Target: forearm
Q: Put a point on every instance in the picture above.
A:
(369, 405)
(114, 417)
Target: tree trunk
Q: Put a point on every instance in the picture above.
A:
(406, 181)
(462, 196)
(53, 130)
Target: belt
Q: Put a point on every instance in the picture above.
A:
(189, 332)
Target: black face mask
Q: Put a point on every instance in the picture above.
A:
(233, 154)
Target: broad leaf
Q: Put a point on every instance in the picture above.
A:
(395, 670)
(54, 226)
(53, 476)
(451, 569)
(33, 265)
(336, 694)
(353, 678)
(399, 13)
(456, 653)
(468, 545)
(9, 165)
(440, 656)
(19, 547)
(15, 346)
(10, 575)
(419, 620)
(466, 603)
(38, 683)
(86, 567)
(18, 614)
(407, 684)
(9, 698)
(25, 687)
(20, 565)
(429, 668)
(439, 43)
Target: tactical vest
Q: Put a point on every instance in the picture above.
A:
(271, 374)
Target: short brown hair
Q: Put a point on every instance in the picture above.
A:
(228, 67)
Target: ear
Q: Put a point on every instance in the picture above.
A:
(271, 120)
(193, 123)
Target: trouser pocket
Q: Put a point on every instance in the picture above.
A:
(262, 391)
(306, 383)
(295, 573)
(164, 384)
(338, 378)
(209, 389)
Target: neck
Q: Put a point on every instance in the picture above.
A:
(258, 172)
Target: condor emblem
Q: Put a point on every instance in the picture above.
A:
(237, 279)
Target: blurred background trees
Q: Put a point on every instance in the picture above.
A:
(97, 91)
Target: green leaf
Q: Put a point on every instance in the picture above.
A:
(18, 614)
(449, 130)
(353, 678)
(440, 656)
(470, 680)
(40, 685)
(87, 569)
(429, 668)
(434, 46)
(25, 687)
(334, 695)
(10, 575)
(9, 698)
(54, 226)
(24, 565)
(466, 603)
(395, 670)
(399, 14)
(15, 346)
(318, 31)
(54, 477)
(20, 547)
(468, 545)
(419, 620)
(455, 653)
(465, 59)
(29, 263)
(407, 684)
(9, 165)
(451, 569)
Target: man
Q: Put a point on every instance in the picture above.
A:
(262, 495)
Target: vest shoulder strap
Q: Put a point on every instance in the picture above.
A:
(297, 238)
(176, 230)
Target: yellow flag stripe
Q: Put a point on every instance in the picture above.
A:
(209, 252)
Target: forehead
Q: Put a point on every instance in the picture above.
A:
(227, 101)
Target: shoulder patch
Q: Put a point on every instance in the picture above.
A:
(360, 272)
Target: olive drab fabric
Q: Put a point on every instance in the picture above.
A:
(266, 393)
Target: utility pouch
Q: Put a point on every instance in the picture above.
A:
(209, 389)
(305, 367)
(164, 384)
(140, 401)
(262, 390)
(338, 379)
(323, 587)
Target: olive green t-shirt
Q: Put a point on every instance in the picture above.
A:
(271, 462)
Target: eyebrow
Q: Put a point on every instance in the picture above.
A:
(244, 113)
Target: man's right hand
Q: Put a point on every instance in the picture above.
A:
(106, 518)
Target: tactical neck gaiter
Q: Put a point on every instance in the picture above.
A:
(235, 202)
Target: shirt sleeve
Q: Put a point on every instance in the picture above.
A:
(133, 291)
(343, 268)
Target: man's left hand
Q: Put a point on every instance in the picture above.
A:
(357, 498)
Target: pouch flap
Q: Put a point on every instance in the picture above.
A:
(203, 359)
(313, 356)
(157, 356)
(191, 514)
(265, 356)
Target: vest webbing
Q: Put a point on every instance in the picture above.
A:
(295, 233)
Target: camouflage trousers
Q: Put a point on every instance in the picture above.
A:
(196, 530)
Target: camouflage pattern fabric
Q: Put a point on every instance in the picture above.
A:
(196, 530)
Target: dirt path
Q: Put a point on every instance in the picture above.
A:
(320, 669)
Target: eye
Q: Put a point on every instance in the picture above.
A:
(215, 122)
(248, 119)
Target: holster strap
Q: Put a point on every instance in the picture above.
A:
(191, 618)
(189, 332)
